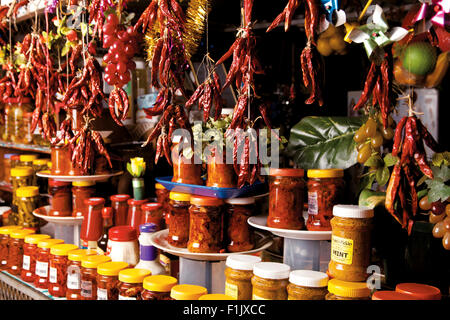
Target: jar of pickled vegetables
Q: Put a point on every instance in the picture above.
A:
(89, 266)
(240, 236)
(344, 290)
(238, 275)
(42, 261)
(15, 161)
(270, 280)
(307, 285)
(81, 191)
(419, 291)
(131, 283)
(20, 177)
(350, 242)
(185, 170)
(27, 202)
(7, 167)
(134, 217)
(178, 219)
(61, 198)
(286, 188)
(205, 225)
(29, 256)
(152, 212)
(73, 290)
(15, 250)
(162, 196)
(38, 166)
(157, 287)
(22, 120)
(108, 279)
(92, 225)
(57, 277)
(8, 126)
(4, 244)
(219, 173)
(325, 189)
(26, 160)
(187, 292)
(119, 204)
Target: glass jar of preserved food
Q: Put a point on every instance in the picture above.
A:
(162, 196)
(81, 191)
(344, 290)
(185, 170)
(238, 275)
(8, 124)
(15, 250)
(27, 202)
(219, 173)
(7, 167)
(286, 199)
(240, 237)
(89, 266)
(92, 225)
(108, 279)
(307, 285)
(73, 290)
(152, 212)
(134, 217)
(119, 203)
(60, 156)
(26, 160)
(29, 256)
(4, 244)
(350, 242)
(42, 260)
(61, 198)
(205, 224)
(325, 189)
(216, 296)
(15, 161)
(123, 245)
(22, 121)
(130, 286)
(20, 177)
(38, 166)
(157, 287)
(270, 280)
(187, 292)
(57, 276)
(178, 219)
(391, 295)
(419, 291)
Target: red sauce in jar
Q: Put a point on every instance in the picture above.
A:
(119, 203)
(92, 226)
(240, 237)
(81, 191)
(135, 213)
(185, 170)
(153, 213)
(178, 219)
(61, 198)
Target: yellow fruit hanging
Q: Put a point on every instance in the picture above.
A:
(337, 43)
(323, 47)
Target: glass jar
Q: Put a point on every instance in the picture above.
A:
(350, 242)
(8, 124)
(58, 263)
(29, 256)
(20, 177)
(215, 296)
(238, 275)
(26, 160)
(61, 198)
(38, 166)
(186, 170)
(92, 225)
(157, 287)
(307, 285)
(123, 245)
(119, 203)
(27, 202)
(73, 290)
(22, 114)
(89, 266)
(187, 292)
(81, 191)
(130, 286)
(162, 196)
(325, 189)
(219, 173)
(178, 219)
(419, 291)
(205, 225)
(391, 295)
(108, 280)
(15, 161)
(239, 235)
(134, 217)
(153, 213)
(286, 199)
(270, 280)
(60, 157)
(344, 290)
(4, 244)
(7, 167)
(15, 250)
(42, 260)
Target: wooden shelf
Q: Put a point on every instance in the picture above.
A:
(25, 147)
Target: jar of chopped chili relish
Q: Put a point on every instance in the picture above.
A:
(187, 292)
(325, 189)
(219, 173)
(162, 196)
(42, 261)
(57, 276)
(73, 290)
(119, 203)
(130, 286)
(89, 266)
(240, 237)
(29, 256)
(61, 198)
(158, 287)
(345, 290)
(185, 170)
(152, 212)
(205, 224)
(108, 279)
(81, 191)
(4, 244)
(15, 252)
(134, 217)
(178, 219)
(286, 188)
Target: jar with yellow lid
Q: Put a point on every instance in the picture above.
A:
(108, 279)
(178, 219)
(38, 166)
(89, 266)
(162, 196)
(4, 244)
(238, 275)
(187, 292)
(15, 252)
(42, 261)
(27, 202)
(81, 191)
(131, 283)
(344, 290)
(307, 285)
(29, 256)
(350, 242)
(57, 277)
(158, 287)
(216, 296)
(325, 189)
(73, 290)
(26, 160)
(20, 177)
(270, 280)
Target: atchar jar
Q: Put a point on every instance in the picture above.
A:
(270, 280)
(119, 203)
(60, 155)
(178, 219)
(89, 266)
(152, 212)
(8, 125)
(29, 256)
(27, 202)
(134, 217)
(419, 291)
(61, 198)
(205, 225)
(219, 173)
(57, 275)
(22, 114)
(73, 290)
(92, 226)
(345, 290)
(286, 199)
(162, 196)
(81, 191)
(20, 177)
(307, 285)
(42, 261)
(4, 244)
(187, 292)
(130, 286)
(239, 235)
(185, 170)
(157, 287)
(26, 160)
(123, 245)
(238, 275)
(108, 279)
(15, 252)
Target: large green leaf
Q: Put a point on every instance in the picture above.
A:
(324, 142)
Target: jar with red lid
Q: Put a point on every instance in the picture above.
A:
(153, 213)
(42, 260)
(15, 252)
(119, 203)
(81, 191)
(286, 188)
(58, 264)
(60, 198)
(205, 225)
(29, 256)
(73, 282)
(178, 219)
(131, 283)
(89, 266)
(325, 189)
(134, 217)
(419, 291)
(123, 245)
(92, 225)
(239, 235)
(4, 244)
(108, 279)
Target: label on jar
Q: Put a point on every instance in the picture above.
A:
(126, 298)
(86, 288)
(231, 290)
(255, 297)
(53, 275)
(313, 207)
(42, 269)
(26, 262)
(341, 250)
(73, 281)
(102, 294)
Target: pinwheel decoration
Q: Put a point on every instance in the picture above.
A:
(434, 12)
(333, 14)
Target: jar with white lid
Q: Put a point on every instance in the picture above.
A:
(123, 245)
(307, 285)
(270, 280)
(239, 273)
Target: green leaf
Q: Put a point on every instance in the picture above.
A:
(442, 173)
(324, 142)
(382, 176)
(374, 161)
(129, 168)
(438, 191)
(367, 181)
(371, 199)
(390, 160)
(422, 193)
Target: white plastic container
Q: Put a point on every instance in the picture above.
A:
(123, 245)
(149, 258)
